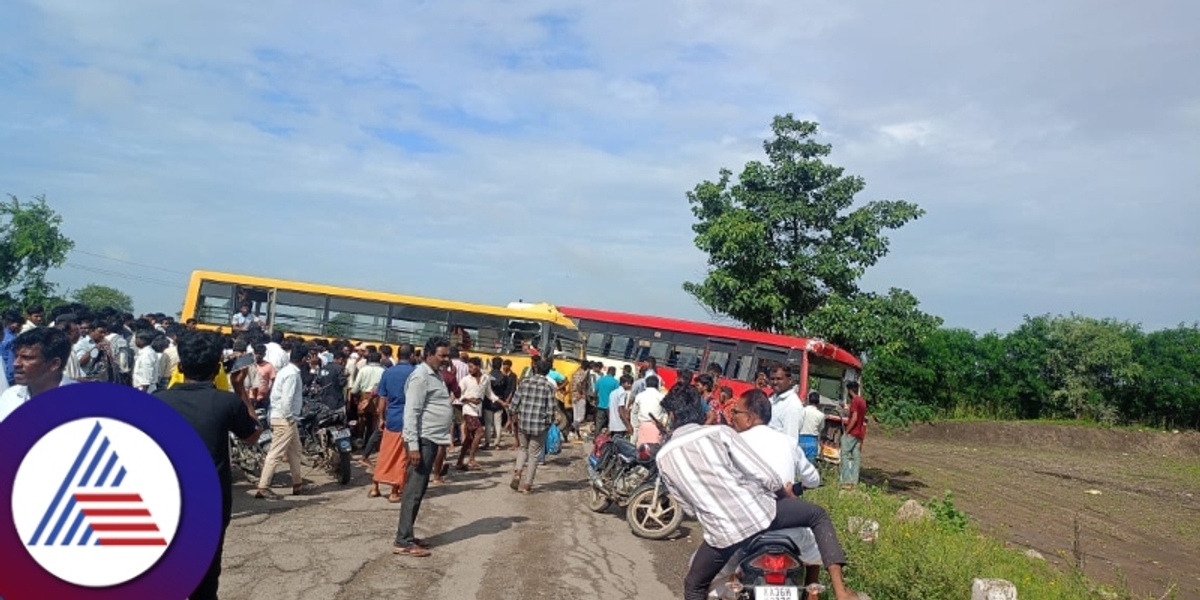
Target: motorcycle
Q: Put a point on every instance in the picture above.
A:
(628, 476)
(249, 458)
(771, 565)
(325, 438)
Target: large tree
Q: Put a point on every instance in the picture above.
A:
(787, 237)
(96, 297)
(30, 245)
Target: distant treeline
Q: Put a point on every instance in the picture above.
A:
(1060, 367)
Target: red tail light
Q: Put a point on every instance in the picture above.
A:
(775, 567)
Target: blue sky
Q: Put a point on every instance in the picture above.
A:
(542, 150)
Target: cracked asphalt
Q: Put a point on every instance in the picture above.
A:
(488, 542)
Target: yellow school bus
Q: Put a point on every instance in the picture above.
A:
(312, 310)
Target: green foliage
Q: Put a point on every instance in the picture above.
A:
(1063, 367)
(96, 297)
(866, 322)
(935, 559)
(30, 245)
(785, 239)
(945, 514)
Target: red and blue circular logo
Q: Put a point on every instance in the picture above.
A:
(114, 496)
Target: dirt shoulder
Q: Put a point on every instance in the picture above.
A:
(1029, 484)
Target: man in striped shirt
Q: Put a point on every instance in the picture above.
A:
(715, 475)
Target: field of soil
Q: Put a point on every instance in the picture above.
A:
(1133, 496)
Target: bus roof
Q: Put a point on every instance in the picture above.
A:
(541, 311)
(816, 346)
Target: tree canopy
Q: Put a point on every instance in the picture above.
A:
(96, 296)
(786, 240)
(30, 245)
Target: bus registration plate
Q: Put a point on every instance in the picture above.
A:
(762, 592)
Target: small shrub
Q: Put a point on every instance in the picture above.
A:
(946, 514)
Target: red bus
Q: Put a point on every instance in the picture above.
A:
(618, 339)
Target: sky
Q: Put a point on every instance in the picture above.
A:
(542, 150)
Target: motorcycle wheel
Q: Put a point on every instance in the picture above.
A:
(651, 517)
(344, 468)
(596, 502)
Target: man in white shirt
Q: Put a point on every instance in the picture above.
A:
(243, 319)
(41, 354)
(287, 401)
(714, 474)
(810, 426)
(475, 387)
(750, 413)
(619, 423)
(145, 366)
(276, 355)
(34, 318)
(786, 409)
(647, 406)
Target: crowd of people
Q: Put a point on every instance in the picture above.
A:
(414, 407)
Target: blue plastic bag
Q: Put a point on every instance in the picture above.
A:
(553, 440)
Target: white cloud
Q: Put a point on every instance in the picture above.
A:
(488, 152)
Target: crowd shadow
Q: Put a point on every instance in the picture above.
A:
(480, 527)
(891, 481)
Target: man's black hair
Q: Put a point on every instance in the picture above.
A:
(455, 352)
(199, 355)
(13, 316)
(543, 366)
(277, 336)
(374, 357)
(626, 379)
(299, 353)
(53, 342)
(652, 381)
(852, 386)
(433, 344)
(36, 309)
(405, 351)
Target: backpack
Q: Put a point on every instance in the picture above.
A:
(553, 440)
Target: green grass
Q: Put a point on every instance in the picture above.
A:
(935, 559)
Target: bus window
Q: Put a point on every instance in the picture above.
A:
(415, 324)
(658, 350)
(300, 313)
(356, 319)
(718, 357)
(742, 370)
(685, 357)
(621, 347)
(215, 305)
(521, 335)
(257, 298)
(595, 344)
(482, 333)
(566, 343)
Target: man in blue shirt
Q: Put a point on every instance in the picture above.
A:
(13, 321)
(392, 466)
(604, 389)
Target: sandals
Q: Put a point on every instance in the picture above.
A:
(394, 498)
(374, 493)
(266, 494)
(414, 550)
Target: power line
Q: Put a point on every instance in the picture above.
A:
(129, 262)
(138, 278)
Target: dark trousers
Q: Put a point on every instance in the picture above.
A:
(372, 445)
(414, 493)
(789, 513)
(207, 590)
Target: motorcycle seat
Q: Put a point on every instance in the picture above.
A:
(772, 538)
(625, 449)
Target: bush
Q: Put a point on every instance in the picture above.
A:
(934, 559)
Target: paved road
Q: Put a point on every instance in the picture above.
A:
(488, 542)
